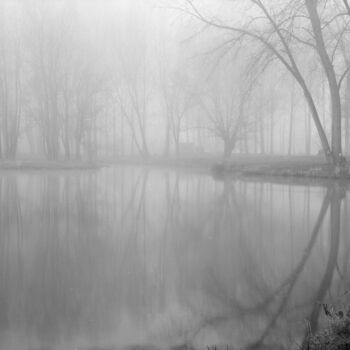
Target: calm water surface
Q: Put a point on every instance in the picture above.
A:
(137, 256)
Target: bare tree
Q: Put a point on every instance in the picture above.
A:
(224, 105)
(135, 76)
(11, 82)
(318, 34)
(280, 28)
(45, 56)
(179, 98)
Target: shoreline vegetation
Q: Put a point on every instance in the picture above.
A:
(304, 167)
(38, 165)
(238, 165)
(310, 167)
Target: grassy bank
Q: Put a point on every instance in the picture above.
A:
(237, 165)
(248, 165)
(280, 166)
(48, 165)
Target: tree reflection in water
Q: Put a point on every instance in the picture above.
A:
(127, 256)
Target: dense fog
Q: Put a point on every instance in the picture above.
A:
(103, 79)
(174, 174)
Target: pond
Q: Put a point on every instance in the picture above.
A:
(129, 255)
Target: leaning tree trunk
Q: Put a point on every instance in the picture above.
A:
(294, 70)
(311, 6)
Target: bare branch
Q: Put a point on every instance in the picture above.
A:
(342, 77)
(347, 6)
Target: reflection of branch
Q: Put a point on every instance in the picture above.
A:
(236, 307)
(347, 248)
(332, 259)
(294, 275)
(298, 270)
(132, 237)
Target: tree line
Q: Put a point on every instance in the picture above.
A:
(79, 80)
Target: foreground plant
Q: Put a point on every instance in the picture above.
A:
(334, 337)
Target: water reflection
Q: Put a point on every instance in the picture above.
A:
(135, 256)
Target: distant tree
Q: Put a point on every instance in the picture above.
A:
(178, 99)
(224, 104)
(66, 77)
(11, 79)
(88, 88)
(134, 76)
(44, 39)
(291, 120)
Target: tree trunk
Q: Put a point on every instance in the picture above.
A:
(229, 146)
(66, 128)
(272, 125)
(347, 114)
(245, 141)
(307, 133)
(311, 6)
(167, 138)
(261, 123)
(176, 145)
(262, 135)
(256, 133)
(122, 141)
(321, 133)
(291, 120)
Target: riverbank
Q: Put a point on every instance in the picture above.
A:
(237, 165)
(279, 166)
(249, 165)
(37, 165)
(304, 167)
